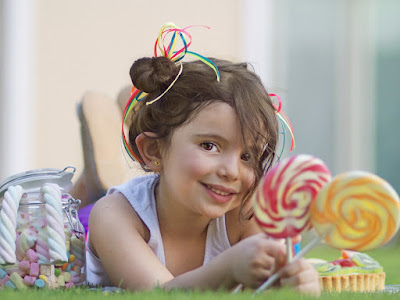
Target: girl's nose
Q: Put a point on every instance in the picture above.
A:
(229, 167)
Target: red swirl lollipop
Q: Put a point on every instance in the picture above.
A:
(283, 198)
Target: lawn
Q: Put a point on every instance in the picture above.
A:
(388, 256)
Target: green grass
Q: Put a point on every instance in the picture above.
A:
(86, 294)
(389, 257)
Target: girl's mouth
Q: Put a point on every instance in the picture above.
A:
(219, 194)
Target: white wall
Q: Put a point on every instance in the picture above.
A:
(315, 54)
(81, 45)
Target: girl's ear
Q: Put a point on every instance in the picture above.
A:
(149, 149)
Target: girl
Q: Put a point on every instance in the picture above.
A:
(189, 224)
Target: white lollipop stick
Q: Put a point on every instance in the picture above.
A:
(299, 255)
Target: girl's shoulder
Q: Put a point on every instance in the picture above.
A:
(113, 214)
(138, 191)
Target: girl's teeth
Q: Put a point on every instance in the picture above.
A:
(217, 191)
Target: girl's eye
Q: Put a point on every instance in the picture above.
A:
(209, 146)
(245, 156)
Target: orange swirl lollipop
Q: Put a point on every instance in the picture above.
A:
(283, 198)
(357, 211)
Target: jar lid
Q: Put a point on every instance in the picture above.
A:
(34, 179)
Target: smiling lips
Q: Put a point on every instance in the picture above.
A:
(220, 193)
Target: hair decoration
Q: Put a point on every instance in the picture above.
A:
(168, 88)
(167, 50)
(285, 123)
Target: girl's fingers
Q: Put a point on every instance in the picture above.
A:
(296, 267)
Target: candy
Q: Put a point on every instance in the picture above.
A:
(39, 283)
(67, 276)
(8, 224)
(31, 255)
(55, 225)
(46, 270)
(71, 258)
(78, 249)
(10, 284)
(29, 280)
(18, 281)
(357, 211)
(69, 267)
(61, 280)
(17, 270)
(24, 265)
(3, 273)
(64, 266)
(4, 279)
(43, 277)
(25, 241)
(34, 270)
(42, 250)
(75, 279)
(282, 200)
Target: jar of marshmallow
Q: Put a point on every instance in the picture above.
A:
(42, 242)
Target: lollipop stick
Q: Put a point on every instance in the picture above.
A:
(299, 255)
(289, 246)
(237, 289)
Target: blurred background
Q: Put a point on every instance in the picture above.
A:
(335, 64)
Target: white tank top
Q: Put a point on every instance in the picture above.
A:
(139, 191)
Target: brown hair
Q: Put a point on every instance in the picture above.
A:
(197, 87)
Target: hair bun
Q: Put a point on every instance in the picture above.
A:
(152, 74)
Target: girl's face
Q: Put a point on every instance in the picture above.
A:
(207, 170)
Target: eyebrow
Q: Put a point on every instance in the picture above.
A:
(210, 135)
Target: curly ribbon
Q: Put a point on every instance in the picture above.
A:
(284, 121)
(175, 56)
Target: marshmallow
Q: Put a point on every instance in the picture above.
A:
(32, 255)
(34, 270)
(4, 280)
(10, 284)
(61, 280)
(24, 265)
(40, 283)
(29, 280)
(67, 276)
(18, 281)
(3, 273)
(8, 224)
(46, 270)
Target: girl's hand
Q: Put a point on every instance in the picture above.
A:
(302, 276)
(256, 258)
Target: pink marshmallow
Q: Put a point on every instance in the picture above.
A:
(4, 280)
(78, 262)
(24, 265)
(34, 270)
(29, 280)
(69, 284)
(75, 279)
(42, 244)
(32, 255)
(16, 270)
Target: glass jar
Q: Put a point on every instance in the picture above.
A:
(39, 221)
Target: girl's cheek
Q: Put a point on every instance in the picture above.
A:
(250, 177)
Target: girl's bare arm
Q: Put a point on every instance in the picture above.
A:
(119, 240)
